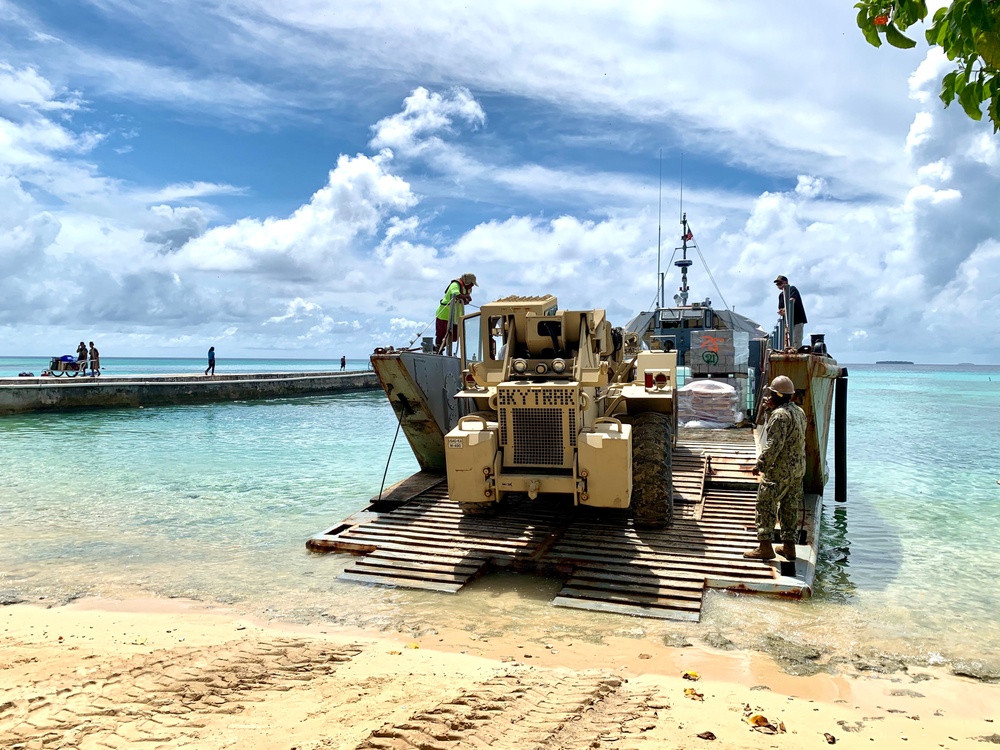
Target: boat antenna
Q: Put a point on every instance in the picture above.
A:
(684, 263)
(659, 231)
(682, 188)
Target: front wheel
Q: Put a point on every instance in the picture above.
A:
(652, 486)
(57, 373)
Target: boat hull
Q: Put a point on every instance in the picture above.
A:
(421, 388)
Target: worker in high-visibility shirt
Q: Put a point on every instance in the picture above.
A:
(452, 308)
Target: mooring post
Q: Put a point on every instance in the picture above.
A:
(840, 437)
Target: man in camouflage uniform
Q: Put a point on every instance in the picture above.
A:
(781, 465)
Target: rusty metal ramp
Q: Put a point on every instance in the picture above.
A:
(415, 537)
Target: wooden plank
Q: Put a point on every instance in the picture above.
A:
(376, 561)
(339, 544)
(500, 533)
(408, 575)
(630, 598)
(679, 534)
(419, 536)
(633, 610)
(733, 568)
(650, 585)
(415, 484)
(444, 588)
(676, 574)
(406, 548)
(683, 537)
(388, 554)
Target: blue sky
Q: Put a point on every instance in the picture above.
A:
(305, 180)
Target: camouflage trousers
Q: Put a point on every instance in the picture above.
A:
(778, 501)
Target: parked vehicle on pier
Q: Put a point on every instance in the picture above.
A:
(67, 365)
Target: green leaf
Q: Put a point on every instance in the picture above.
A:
(862, 16)
(897, 39)
(977, 14)
(871, 35)
(948, 87)
(970, 102)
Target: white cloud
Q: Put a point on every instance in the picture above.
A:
(359, 196)
(25, 87)
(810, 187)
(515, 141)
(297, 308)
(424, 115)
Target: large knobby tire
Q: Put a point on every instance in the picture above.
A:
(481, 509)
(652, 500)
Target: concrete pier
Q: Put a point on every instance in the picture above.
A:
(20, 395)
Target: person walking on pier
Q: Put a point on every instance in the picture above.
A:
(81, 358)
(452, 308)
(211, 360)
(343, 363)
(781, 466)
(95, 360)
(798, 309)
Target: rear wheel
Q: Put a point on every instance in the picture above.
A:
(652, 487)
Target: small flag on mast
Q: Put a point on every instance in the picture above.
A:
(688, 237)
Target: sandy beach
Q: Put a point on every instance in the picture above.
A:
(170, 673)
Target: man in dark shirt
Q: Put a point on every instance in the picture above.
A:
(799, 311)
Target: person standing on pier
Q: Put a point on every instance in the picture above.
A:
(799, 310)
(343, 363)
(95, 360)
(452, 308)
(781, 466)
(81, 358)
(211, 361)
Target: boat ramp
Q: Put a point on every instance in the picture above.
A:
(415, 537)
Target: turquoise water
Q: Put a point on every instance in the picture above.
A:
(215, 502)
(114, 366)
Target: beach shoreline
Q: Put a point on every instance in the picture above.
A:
(179, 673)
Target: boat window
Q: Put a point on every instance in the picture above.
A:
(497, 338)
(473, 342)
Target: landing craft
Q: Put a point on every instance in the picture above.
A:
(550, 443)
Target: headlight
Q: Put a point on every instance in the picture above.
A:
(519, 365)
(558, 365)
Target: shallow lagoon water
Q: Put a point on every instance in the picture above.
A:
(215, 502)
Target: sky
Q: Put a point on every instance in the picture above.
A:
(304, 178)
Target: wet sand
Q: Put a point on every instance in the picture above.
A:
(169, 673)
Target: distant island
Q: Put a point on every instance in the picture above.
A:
(893, 362)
